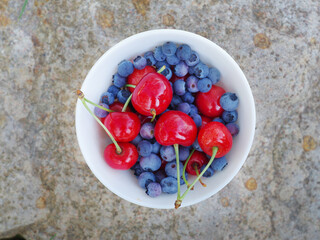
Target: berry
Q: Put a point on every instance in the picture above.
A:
(184, 107)
(145, 178)
(179, 87)
(191, 70)
(175, 101)
(158, 54)
(118, 106)
(137, 140)
(192, 84)
(144, 148)
(193, 59)
(169, 48)
(196, 145)
(181, 69)
(214, 75)
(193, 109)
(173, 60)
(207, 173)
(188, 97)
(125, 68)
(100, 113)
(229, 101)
(139, 62)
(197, 119)
(169, 185)
(171, 169)
(219, 164)
(217, 119)
(183, 153)
(197, 159)
(153, 189)
(150, 163)
(204, 85)
(123, 95)
(233, 128)
(114, 90)
(205, 120)
(160, 174)
(201, 70)
(151, 61)
(183, 52)
(135, 77)
(167, 73)
(156, 147)
(137, 169)
(230, 116)
(167, 153)
(118, 80)
(107, 98)
(160, 64)
(147, 130)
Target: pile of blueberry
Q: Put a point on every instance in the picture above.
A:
(192, 91)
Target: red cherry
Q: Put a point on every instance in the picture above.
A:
(124, 160)
(215, 134)
(152, 95)
(175, 127)
(197, 158)
(175, 78)
(205, 120)
(209, 103)
(135, 77)
(124, 126)
(117, 107)
(144, 119)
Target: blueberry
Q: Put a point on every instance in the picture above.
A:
(173, 60)
(153, 189)
(179, 87)
(196, 145)
(107, 98)
(188, 97)
(139, 62)
(193, 59)
(114, 90)
(160, 174)
(191, 70)
(150, 163)
(193, 109)
(158, 54)
(181, 69)
(160, 64)
(184, 107)
(167, 73)
(145, 178)
(147, 130)
(197, 119)
(217, 119)
(214, 75)
(137, 169)
(156, 147)
(169, 48)
(183, 52)
(171, 169)
(100, 112)
(125, 68)
(229, 101)
(204, 85)
(207, 173)
(151, 61)
(233, 129)
(167, 153)
(119, 81)
(183, 153)
(175, 100)
(230, 116)
(201, 70)
(192, 84)
(144, 148)
(137, 140)
(123, 95)
(169, 185)
(219, 164)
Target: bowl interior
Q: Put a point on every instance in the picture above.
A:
(92, 138)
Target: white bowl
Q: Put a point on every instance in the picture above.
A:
(92, 138)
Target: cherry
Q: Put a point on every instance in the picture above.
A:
(144, 119)
(197, 159)
(124, 160)
(205, 120)
(215, 134)
(118, 106)
(135, 77)
(175, 78)
(175, 127)
(124, 126)
(152, 95)
(209, 103)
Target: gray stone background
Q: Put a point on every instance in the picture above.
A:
(48, 192)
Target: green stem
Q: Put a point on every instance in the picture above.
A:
(176, 149)
(23, 7)
(130, 85)
(127, 103)
(185, 166)
(197, 172)
(98, 106)
(102, 125)
(162, 69)
(154, 114)
(179, 200)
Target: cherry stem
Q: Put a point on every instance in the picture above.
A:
(184, 168)
(82, 99)
(197, 172)
(154, 114)
(176, 149)
(98, 106)
(127, 103)
(162, 69)
(179, 200)
(130, 85)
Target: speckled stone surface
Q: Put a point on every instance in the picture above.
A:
(46, 188)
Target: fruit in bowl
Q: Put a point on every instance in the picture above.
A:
(172, 116)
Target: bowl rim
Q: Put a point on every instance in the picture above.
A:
(138, 36)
